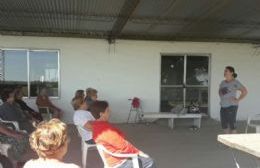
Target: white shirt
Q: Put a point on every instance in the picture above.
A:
(80, 118)
(40, 163)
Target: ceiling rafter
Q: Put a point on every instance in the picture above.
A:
(125, 13)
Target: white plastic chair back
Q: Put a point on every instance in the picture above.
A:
(254, 122)
(84, 146)
(4, 149)
(14, 123)
(102, 151)
(80, 130)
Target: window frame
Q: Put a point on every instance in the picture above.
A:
(185, 54)
(28, 67)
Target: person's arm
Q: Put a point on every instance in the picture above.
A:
(88, 125)
(51, 104)
(243, 94)
(10, 132)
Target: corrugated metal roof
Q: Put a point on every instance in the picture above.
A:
(196, 20)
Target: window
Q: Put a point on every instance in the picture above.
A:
(30, 69)
(184, 82)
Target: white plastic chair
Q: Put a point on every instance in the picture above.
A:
(45, 111)
(84, 146)
(102, 151)
(14, 123)
(253, 122)
(4, 149)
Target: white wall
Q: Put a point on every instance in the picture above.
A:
(132, 68)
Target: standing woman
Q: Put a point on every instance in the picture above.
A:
(228, 99)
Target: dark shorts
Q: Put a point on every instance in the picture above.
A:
(91, 142)
(228, 117)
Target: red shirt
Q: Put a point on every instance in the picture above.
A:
(113, 140)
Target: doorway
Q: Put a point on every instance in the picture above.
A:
(184, 82)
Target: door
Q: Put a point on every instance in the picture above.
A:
(184, 82)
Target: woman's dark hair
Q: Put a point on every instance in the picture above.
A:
(98, 107)
(6, 94)
(232, 69)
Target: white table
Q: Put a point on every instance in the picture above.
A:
(249, 143)
(171, 117)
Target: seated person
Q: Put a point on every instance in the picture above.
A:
(17, 140)
(78, 94)
(82, 118)
(44, 101)
(19, 100)
(10, 111)
(50, 141)
(114, 140)
(91, 95)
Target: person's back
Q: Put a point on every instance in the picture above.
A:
(41, 163)
(80, 118)
(114, 140)
(11, 112)
(44, 101)
(50, 141)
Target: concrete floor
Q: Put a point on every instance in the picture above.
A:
(178, 148)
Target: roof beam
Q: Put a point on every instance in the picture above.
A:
(101, 35)
(126, 11)
(190, 38)
(55, 33)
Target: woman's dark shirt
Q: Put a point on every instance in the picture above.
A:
(24, 106)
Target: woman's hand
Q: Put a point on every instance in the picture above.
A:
(235, 100)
